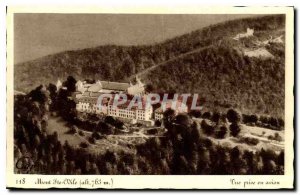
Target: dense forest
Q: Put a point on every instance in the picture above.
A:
(224, 78)
(184, 149)
(207, 61)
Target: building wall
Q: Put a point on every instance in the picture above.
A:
(82, 106)
(89, 104)
(158, 116)
(137, 114)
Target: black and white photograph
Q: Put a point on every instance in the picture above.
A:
(109, 94)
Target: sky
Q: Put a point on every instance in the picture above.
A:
(38, 35)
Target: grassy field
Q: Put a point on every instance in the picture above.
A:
(126, 143)
(101, 146)
(253, 132)
(264, 142)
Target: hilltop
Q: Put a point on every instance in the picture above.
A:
(247, 73)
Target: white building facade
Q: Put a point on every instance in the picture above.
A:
(87, 99)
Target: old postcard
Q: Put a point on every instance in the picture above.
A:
(150, 98)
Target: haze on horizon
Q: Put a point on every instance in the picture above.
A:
(37, 35)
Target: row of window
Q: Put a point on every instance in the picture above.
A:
(113, 113)
(91, 101)
(122, 113)
(158, 116)
(84, 106)
(126, 116)
(126, 111)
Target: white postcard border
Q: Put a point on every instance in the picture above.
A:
(161, 181)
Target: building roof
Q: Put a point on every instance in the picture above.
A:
(88, 100)
(89, 94)
(115, 85)
(95, 87)
(136, 89)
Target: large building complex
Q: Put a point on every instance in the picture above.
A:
(88, 101)
(111, 87)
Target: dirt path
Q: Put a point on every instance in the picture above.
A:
(147, 70)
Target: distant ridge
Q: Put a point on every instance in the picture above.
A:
(206, 61)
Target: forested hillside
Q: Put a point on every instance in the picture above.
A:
(207, 61)
(224, 78)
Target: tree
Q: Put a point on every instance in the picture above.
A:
(40, 95)
(84, 145)
(96, 135)
(81, 133)
(183, 119)
(119, 124)
(206, 115)
(157, 123)
(274, 122)
(53, 91)
(253, 118)
(105, 128)
(277, 137)
(280, 159)
(251, 163)
(73, 130)
(169, 115)
(207, 128)
(70, 83)
(196, 131)
(149, 88)
(66, 145)
(92, 140)
(195, 113)
(235, 129)
(269, 167)
(204, 163)
(55, 137)
(236, 161)
(233, 116)
(37, 141)
(216, 117)
(111, 157)
(110, 120)
(165, 170)
(280, 122)
(221, 132)
(223, 119)
(264, 119)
